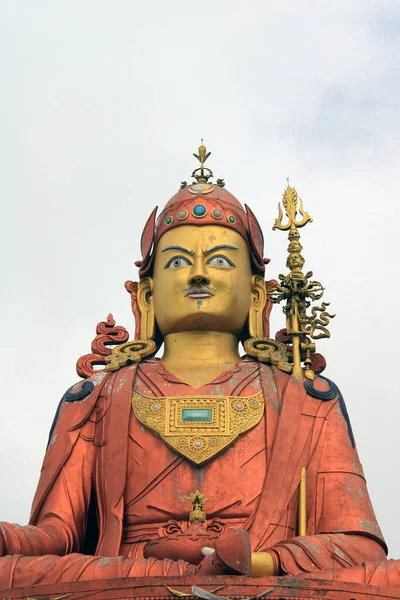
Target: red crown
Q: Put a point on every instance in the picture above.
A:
(203, 204)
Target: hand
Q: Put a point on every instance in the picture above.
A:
(232, 555)
(262, 564)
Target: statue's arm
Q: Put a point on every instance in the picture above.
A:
(61, 523)
(60, 508)
(342, 528)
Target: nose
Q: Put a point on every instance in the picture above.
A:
(198, 273)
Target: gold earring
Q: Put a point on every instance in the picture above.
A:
(146, 308)
(133, 352)
(256, 311)
(264, 349)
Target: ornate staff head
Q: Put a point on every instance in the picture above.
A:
(297, 288)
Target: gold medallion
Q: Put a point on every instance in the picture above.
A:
(198, 427)
(201, 188)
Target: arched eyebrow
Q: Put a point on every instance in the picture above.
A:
(177, 248)
(221, 247)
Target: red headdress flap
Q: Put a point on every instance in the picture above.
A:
(256, 239)
(147, 241)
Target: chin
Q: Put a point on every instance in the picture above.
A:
(204, 320)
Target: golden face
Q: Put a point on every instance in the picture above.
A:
(202, 280)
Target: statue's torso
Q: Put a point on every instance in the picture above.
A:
(159, 480)
(142, 485)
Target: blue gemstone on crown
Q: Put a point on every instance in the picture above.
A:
(199, 210)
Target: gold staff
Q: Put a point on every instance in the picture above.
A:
(297, 289)
(302, 511)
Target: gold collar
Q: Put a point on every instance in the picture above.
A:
(198, 427)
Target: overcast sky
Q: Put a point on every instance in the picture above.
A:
(102, 104)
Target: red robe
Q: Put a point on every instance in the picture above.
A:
(101, 461)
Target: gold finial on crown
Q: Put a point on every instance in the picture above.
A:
(202, 174)
(202, 154)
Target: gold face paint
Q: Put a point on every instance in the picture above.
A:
(202, 280)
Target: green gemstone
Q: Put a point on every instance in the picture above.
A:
(197, 415)
(168, 220)
(231, 219)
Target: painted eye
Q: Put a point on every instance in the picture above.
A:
(220, 261)
(178, 261)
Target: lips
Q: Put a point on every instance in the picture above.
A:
(199, 293)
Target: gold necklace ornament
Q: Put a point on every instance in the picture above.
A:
(268, 351)
(131, 352)
(198, 427)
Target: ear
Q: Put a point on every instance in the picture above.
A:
(257, 305)
(146, 308)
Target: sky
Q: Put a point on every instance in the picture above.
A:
(103, 104)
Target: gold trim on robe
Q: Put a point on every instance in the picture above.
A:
(199, 427)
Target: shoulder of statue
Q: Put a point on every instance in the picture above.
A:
(81, 397)
(322, 388)
(310, 392)
(326, 390)
(78, 402)
(82, 393)
(82, 390)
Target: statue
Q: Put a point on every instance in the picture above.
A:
(204, 463)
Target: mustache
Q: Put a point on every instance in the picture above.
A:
(195, 289)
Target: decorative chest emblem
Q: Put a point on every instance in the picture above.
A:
(198, 427)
